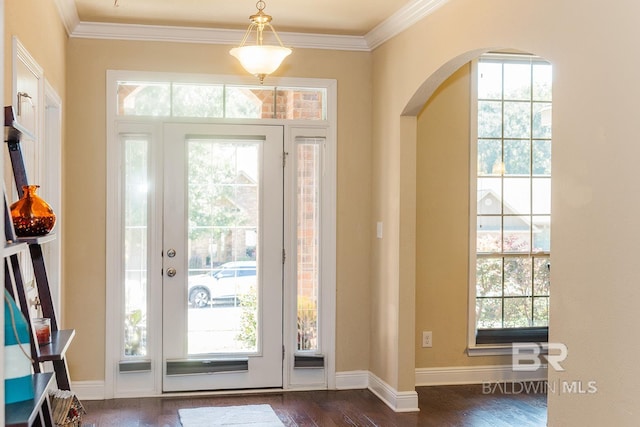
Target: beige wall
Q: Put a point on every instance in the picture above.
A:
(442, 226)
(37, 25)
(594, 204)
(85, 184)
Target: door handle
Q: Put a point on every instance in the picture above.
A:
(171, 271)
(26, 96)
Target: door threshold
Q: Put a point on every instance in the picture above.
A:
(232, 392)
(222, 392)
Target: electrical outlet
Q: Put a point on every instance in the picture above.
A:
(427, 339)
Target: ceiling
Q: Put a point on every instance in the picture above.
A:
(348, 17)
(333, 24)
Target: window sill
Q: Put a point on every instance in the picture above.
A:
(489, 350)
(498, 350)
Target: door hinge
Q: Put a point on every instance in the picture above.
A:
(284, 159)
(284, 256)
(283, 352)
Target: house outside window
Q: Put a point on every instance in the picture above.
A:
(512, 178)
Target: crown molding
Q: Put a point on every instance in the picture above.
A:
(395, 24)
(404, 18)
(323, 41)
(100, 30)
(110, 31)
(68, 13)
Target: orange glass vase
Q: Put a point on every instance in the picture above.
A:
(31, 215)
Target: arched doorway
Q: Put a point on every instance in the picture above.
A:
(445, 211)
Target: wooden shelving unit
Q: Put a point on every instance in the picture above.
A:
(13, 249)
(26, 413)
(36, 411)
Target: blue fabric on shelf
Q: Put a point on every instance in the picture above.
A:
(18, 384)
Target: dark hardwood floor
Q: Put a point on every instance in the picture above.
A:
(463, 405)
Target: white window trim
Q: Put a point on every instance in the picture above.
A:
(474, 349)
(151, 384)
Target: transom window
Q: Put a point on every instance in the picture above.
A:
(172, 99)
(513, 198)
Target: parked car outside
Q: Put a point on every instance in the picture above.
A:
(222, 285)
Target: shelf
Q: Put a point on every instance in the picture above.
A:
(56, 349)
(13, 130)
(13, 248)
(23, 414)
(38, 239)
(26, 413)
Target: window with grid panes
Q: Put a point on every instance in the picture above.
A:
(513, 198)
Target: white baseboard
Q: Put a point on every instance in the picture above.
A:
(396, 400)
(95, 390)
(399, 401)
(88, 390)
(352, 380)
(475, 375)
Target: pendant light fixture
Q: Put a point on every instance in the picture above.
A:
(260, 59)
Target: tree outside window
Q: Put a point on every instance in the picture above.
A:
(513, 182)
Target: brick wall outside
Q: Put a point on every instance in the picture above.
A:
(308, 228)
(290, 104)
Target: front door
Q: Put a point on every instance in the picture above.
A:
(222, 257)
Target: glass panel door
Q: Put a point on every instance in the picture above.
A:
(222, 262)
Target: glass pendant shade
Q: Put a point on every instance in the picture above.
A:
(260, 59)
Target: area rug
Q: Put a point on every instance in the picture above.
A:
(236, 416)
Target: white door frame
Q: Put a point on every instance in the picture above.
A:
(44, 158)
(52, 192)
(263, 366)
(149, 383)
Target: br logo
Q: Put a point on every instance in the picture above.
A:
(529, 357)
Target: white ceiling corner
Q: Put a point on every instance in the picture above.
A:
(69, 14)
(395, 24)
(401, 20)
